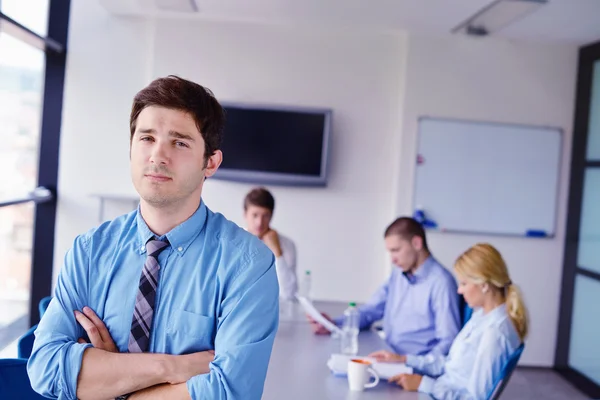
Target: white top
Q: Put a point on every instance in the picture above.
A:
(475, 361)
(286, 268)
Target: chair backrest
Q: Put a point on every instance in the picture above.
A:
(465, 310)
(507, 371)
(14, 381)
(43, 306)
(25, 343)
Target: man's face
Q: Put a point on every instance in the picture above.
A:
(257, 220)
(403, 252)
(167, 157)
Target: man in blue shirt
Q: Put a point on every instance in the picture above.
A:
(176, 301)
(418, 303)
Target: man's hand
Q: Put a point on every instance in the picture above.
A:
(388, 357)
(408, 382)
(317, 327)
(271, 239)
(183, 367)
(96, 330)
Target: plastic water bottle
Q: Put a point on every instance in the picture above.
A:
(350, 329)
(305, 285)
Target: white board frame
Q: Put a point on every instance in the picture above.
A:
(548, 231)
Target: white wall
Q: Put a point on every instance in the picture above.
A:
(105, 68)
(497, 80)
(338, 230)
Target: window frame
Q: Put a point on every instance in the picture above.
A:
(588, 55)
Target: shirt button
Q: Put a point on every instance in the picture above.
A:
(180, 248)
(143, 248)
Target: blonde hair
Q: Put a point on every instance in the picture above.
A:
(482, 263)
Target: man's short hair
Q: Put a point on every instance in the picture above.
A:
(259, 197)
(407, 228)
(180, 94)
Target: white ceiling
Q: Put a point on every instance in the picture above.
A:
(574, 21)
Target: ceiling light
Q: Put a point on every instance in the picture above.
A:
(497, 15)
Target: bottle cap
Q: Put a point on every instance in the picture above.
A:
(352, 304)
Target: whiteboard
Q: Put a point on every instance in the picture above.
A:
(488, 178)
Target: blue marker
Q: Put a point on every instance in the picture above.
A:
(536, 233)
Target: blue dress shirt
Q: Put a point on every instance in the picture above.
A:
(420, 311)
(217, 290)
(475, 361)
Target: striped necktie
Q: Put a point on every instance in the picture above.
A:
(141, 323)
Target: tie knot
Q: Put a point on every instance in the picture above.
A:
(154, 247)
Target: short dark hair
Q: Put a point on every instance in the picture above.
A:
(180, 94)
(260, 197)
(407, 228)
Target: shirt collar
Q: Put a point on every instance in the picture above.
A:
(180, 237)
(422, 272)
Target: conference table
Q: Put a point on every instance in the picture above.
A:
(298, 367)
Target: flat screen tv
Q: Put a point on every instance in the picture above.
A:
(275, 145)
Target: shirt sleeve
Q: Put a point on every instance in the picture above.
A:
(56, 356)
(430, 364)
(245, 334)
(446, 315)
(286, 271)
(372, 311)
(492, 355)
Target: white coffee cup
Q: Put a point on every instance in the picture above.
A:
(359, 374)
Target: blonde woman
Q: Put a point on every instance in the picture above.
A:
(481, 349)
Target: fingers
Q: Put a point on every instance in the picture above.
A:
(379, 355)
(395, 379)
(90, 328)
(104, 335)
(319, 329)
(81, 341)
(97, 332)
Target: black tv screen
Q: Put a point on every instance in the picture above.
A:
(285, 146)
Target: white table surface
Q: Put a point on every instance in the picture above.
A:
(298, 367)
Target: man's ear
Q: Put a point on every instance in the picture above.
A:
(213, 163)
(417, 243)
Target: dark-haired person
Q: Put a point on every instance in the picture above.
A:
(418, 303)
(259, 205)
(176, 301)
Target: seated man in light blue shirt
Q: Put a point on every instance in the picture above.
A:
(418, 303)
(482, 348)
(176, 301)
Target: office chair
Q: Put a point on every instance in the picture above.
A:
(25, 343)
(43, 306)
(14, 381)
(507, 371)
(465, 310)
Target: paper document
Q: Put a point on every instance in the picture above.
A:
(338, 364)
(316, 315)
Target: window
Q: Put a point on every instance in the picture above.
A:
(32, 65)
(577, 354)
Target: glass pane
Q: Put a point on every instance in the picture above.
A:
(21, 86)
(16, 240)
(584, 352)
(32, 14)
(593, 146)
(588, 256)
